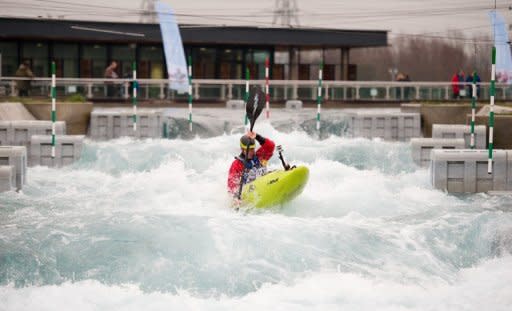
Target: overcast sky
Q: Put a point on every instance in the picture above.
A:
(401, 17)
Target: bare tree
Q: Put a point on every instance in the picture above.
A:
(426, 58)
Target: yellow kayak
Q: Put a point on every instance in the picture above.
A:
(275, 188)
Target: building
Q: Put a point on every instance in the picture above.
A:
(83, 49)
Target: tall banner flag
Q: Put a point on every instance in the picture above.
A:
(501, 42)
(173, 48)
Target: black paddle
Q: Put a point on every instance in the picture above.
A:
(286, 166)
(253, 109)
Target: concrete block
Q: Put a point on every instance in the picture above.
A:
(149, 125)
(235, 104)
(465, 170)
(6, 133)
(22, 130)
(7, 178)
(461, 131)
(421, 148)
(394, 126)
(293, 104)
(109, 124)
(102, 126)
(68, 149)
(15, 156)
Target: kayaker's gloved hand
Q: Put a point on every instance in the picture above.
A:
(260, 139)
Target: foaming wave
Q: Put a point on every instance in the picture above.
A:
(485, 287)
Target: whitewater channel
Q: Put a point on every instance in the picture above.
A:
(146, 225)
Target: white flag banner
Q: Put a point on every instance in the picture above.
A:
(501, 42)
(173, 48)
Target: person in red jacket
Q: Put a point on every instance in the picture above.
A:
(251, 164)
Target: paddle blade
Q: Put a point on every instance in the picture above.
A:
(255, 104)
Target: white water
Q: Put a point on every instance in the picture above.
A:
(145, 225)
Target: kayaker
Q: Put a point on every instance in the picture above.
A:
(254, 162)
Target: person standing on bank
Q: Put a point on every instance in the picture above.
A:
(110, 73)
(253, 161)
(469, 82)
(23, 85)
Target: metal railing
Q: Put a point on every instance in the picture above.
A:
(280, 90)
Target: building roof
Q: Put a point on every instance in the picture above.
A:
(67, 30)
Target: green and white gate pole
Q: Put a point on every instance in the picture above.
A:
(246, 95)
(134, 95)
(190, 93)
(319, 96)
(491, 111)
(473, 112)
(267, 87)
(54, 107)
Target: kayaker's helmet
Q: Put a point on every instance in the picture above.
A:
(246, 141)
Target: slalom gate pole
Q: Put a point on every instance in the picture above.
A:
(267, 88)
(134, 95)
(473, 112)
(491, 110)
(319, 95)
(190, 93)
(54, 107)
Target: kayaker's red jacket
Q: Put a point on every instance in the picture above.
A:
(264, 153)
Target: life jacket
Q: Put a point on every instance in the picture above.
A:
(253, 168)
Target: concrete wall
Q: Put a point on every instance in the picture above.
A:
(461, 131)
(235, 104)
(459, 171)
(18, 133)
(68, 149)
(422, 148)
(293, 104)
(115, 123)
(443, 114)
(15, 156)
(7, 178)
(76, 115)
(394, 126)
(502, 129)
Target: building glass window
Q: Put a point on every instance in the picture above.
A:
(332, 56)
(332, 64)
(93, 61)
(151, 63)
(256, 62)
(9, 51)
(204, 66)
(280, 68)
(310, 56)
(66, 60)
(124, 55)
(309, 63)
(230, 63)
(36, 53)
